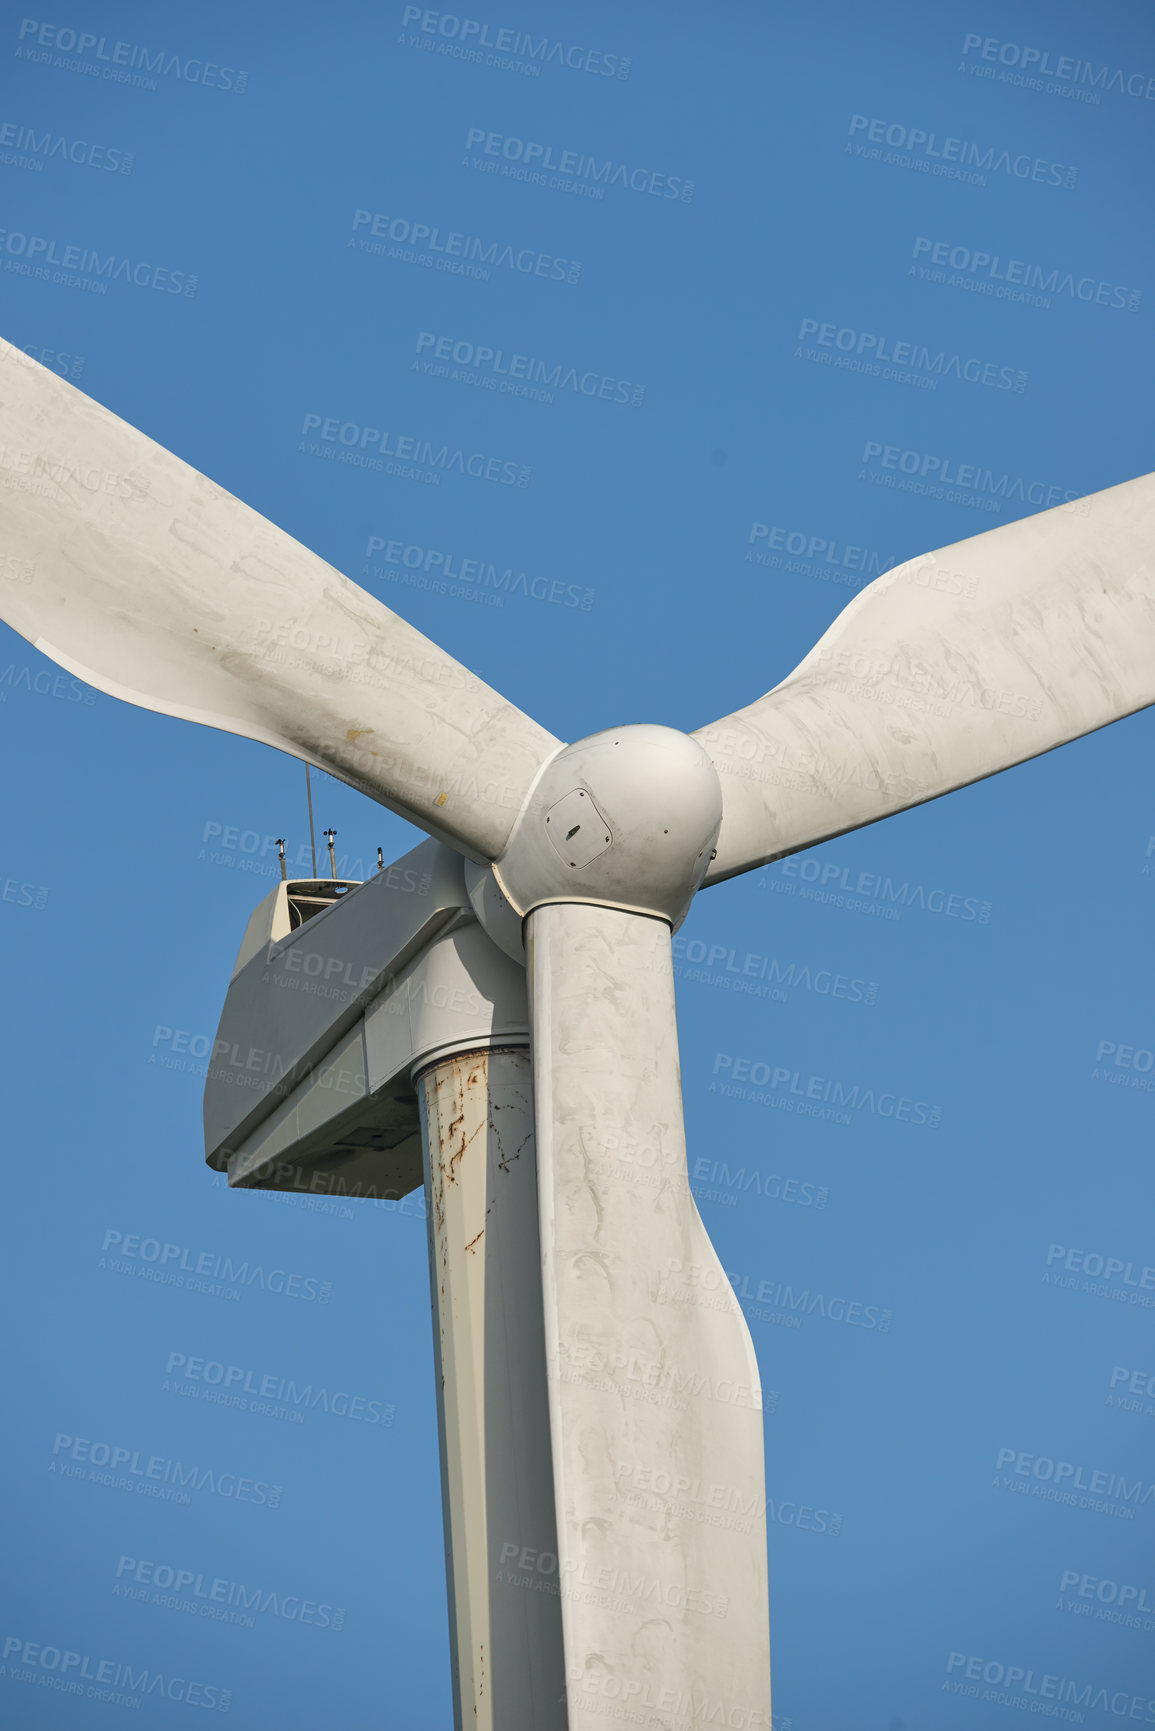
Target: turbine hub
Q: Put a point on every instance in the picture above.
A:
(627, 819)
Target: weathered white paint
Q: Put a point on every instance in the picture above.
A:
(625, 818)
(157, 586)
(496, 1468)
(361, 951)
(943, 671)
(160, 588)
(655, 1399)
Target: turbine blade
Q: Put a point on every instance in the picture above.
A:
(655, 1401)
(157, 586)
(943, 671)
(493, 1407)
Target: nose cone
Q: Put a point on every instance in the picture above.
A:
(652, 782)
(626, 818)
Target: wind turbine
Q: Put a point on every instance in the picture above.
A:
(598, 1390)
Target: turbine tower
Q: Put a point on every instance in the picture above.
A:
(506, 1033)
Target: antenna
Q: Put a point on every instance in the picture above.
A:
(1063, 605)
(281, 856)
(332, 858)
(312, 841)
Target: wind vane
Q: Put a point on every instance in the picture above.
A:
(494, 1014)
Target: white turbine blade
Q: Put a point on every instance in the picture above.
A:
(493, 1405)
(655, 1401)
(155, 585)
(945, 670)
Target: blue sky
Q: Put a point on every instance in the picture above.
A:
(1003, 947)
